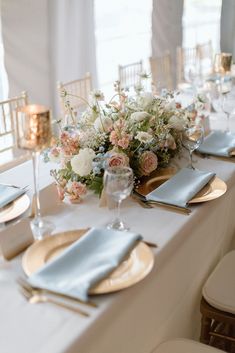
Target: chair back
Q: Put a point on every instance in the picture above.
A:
(161, 72)
(79, 91)
(129, 75)
(186, 58)
(10, 155)
(205, 55)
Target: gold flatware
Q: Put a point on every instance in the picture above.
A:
(24, 284)
(36, 296)
(152, 203)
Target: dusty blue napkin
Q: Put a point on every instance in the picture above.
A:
(218, 143)
(181, 188)
(87, 261)
(9, 194)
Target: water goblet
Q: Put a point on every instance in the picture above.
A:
(118, 184)
(192, 139)
(34, 134)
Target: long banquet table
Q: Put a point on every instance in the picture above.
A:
(164, 305)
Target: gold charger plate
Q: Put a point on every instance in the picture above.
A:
(214, 189)
(14, 209)
(132, 270)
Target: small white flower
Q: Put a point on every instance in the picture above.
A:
(143, 136)
(82, 162)
(139, 116)
(97, 95)
(176, 123)
(103, 124)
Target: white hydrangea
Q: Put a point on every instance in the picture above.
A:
(145, 99)
(82, 162)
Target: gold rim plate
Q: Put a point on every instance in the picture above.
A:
(214, 189)
(14, 209)
(132, 270)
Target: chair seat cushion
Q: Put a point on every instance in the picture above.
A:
(219, 289)
(185, 346)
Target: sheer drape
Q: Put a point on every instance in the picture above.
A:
(167, 28)
(227, 27)
(46, 41)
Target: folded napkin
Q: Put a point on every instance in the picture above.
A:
(181, 188)
(86, 262)
(218, 143)
(9, 194)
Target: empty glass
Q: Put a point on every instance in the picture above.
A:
(118, 184)
(228, 106)
(192, 139)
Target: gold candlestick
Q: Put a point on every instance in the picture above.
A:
(223, 63)
(34, 134)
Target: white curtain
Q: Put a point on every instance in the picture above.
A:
(227, 27)
(46, 41)
(167, 28)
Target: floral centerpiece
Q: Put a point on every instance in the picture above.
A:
(141, 131)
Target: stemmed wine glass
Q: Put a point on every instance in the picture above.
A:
(192, 139)
(34, 134)
(118, 184)
(228, 107)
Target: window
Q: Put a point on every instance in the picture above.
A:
(123, 36)
(201, 22)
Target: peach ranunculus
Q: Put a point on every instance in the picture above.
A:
(148, 162)
(118, 160)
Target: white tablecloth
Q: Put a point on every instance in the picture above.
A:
(164, 305)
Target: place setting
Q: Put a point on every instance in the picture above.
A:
(175, 189)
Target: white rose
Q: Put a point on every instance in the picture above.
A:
(143, 136)
(103, 124)
(82, 162)
(139, 116)
(176, 123)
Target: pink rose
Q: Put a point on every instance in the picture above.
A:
(148, 162)
(118, 160)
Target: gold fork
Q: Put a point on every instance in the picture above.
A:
(36, 296)
(23, 283)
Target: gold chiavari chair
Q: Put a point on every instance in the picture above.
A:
(161, 72)
(187, 64)
(77, 88)
(129, 75)
(205, 55)
(10, 155)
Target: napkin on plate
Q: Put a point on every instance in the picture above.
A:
(9, 194)
(181, 188)
(218, 143)
(86, 262)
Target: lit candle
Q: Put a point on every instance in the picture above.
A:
(34, 127)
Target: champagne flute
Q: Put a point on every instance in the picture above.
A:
(192, 139)
(34, 134)
(118, 184)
